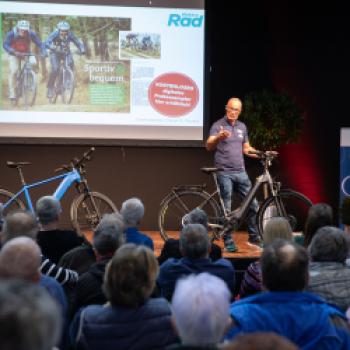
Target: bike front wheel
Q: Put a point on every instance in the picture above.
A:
(179, 203)
(29, 88)
(290, 204)
(11, 204)
(87, 210)
(67, 86)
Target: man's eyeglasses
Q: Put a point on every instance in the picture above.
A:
(232, 109)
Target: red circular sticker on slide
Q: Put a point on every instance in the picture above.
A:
(173, 94)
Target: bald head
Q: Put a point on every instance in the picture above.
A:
(233, 109)
(284, 266)
(20, 258)
(19, 223)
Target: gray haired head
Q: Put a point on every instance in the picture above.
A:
(194, 241)
(201, 308)
(19, 223)
(132, 211)
(30, 319)
(20, 258)
(196, 216)
(109, 234)
(48, 209)
(329, 244)
(277, 228)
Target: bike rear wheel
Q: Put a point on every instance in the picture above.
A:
(87, 210)
(290, 204)
(6, 196)
(29, 88)
(179, 203)
(67, 87)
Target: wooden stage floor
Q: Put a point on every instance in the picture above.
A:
(245, 250)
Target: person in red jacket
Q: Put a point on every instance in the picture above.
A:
(17, 43)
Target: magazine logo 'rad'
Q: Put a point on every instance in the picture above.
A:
(185, 20)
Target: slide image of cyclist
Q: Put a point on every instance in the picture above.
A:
(82, 71)
(17, 44)
(139, 45)
(58, 42)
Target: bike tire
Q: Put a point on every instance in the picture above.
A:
(87, 210)
(68, 85)
(179, 203)
(290, 204)
(5, 196)
(29, 88)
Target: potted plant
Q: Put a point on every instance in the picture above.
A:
(344, 213)
(273, 119)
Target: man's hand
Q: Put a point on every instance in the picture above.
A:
(223, 134)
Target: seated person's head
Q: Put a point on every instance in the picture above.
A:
(30, 319)
(277, 228)
(201, 309)
(329, 244)
(194, 241)
(108, 235)
(284, 266)
(130, 276)
(196, 216)
(48, 210)
(260, 341)
(319, 215)
(132, 211)
(20, 258)
(19, 223)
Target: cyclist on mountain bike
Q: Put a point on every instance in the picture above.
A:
(17, 42)
(58, 42)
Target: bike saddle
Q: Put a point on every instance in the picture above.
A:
(210, 170)
(17, 164)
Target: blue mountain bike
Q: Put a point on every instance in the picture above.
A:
(87, 207)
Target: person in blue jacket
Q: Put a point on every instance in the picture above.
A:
(17, 43)
(58, 42)
(285, 308)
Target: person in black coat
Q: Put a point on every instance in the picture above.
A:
(53, 241)
(108, 237)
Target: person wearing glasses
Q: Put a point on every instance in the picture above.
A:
(228, 137)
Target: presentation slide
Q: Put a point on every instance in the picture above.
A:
(101, 72)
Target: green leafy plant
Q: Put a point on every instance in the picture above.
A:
(273, 119)
(344, 210)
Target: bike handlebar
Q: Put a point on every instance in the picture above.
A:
(265, 154)
(77, 163)
(23, 54)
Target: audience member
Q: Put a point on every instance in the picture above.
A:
(194, 247)
(319, 215)
(329, 277)
(108, 237)
(171, 247)
(285, 308)
(132, 211)
(20, 258)
(201, 311)
(81, 258)
(131, 320)
(276, 228)
(259, 341)
(53, 241)
(29, 318)
(23, 223)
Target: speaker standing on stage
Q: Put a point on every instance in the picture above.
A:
(229, 138)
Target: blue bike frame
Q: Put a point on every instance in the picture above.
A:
(68, 179)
